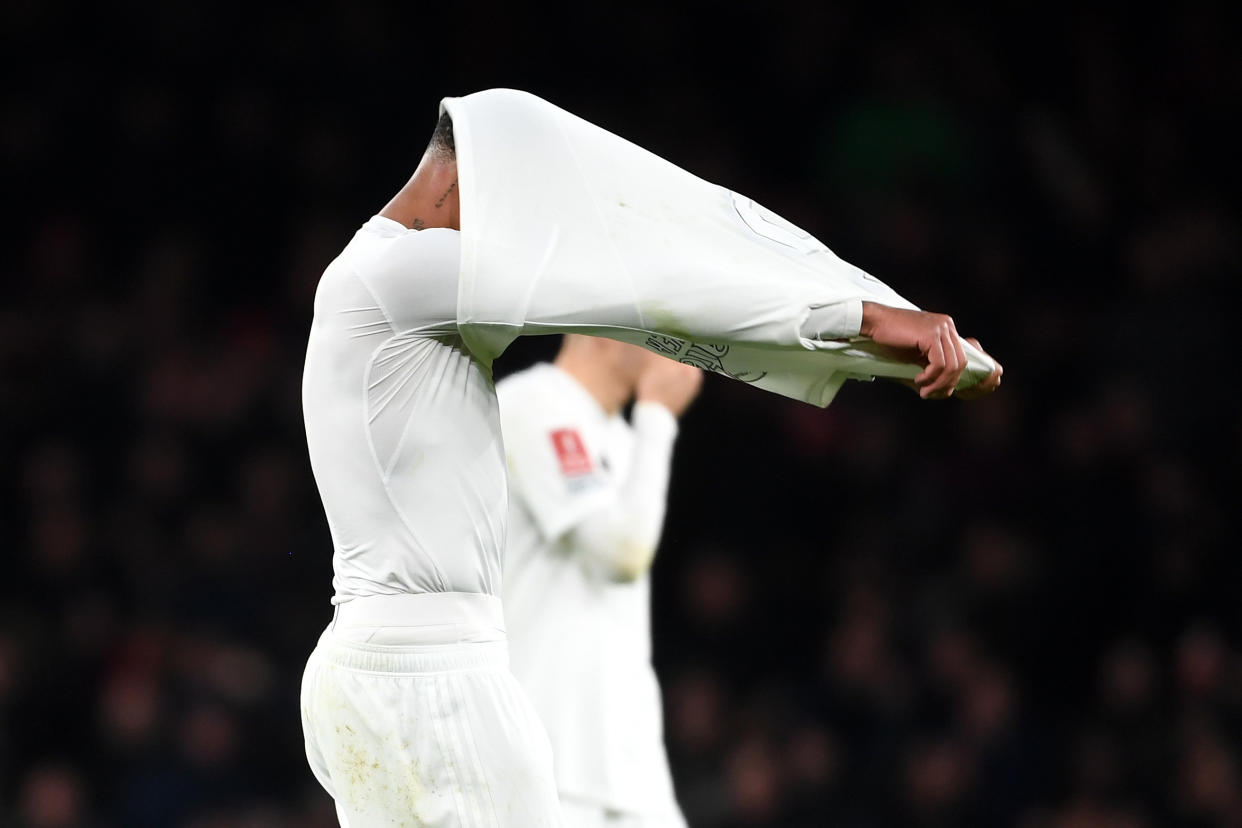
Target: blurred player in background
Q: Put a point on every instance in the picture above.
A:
(410, 712)
(587, 496)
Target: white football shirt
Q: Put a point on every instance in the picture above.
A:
(401, 420)
(580, 640)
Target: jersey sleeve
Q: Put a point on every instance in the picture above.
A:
(619, 539)
(554, 469)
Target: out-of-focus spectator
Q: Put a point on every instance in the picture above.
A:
(52, 796)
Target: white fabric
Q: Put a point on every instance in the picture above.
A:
(620, 537)
(433, 735)
(842, 320)
(401, 422)
(567, 226)
(420, 618)
(581, 640)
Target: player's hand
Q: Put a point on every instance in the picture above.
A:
(669, 383)
(932, 335)
(988, 384)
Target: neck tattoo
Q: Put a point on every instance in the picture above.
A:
(452, 187)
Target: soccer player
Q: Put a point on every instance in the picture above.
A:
(410, 712)
(587, 493)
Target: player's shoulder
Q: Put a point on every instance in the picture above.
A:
(532, 393)
(542, 378)
(528, 380)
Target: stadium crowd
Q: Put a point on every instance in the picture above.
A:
(1021, 611)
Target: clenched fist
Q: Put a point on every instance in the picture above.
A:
(935, 338)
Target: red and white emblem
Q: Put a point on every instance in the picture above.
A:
(571, 451)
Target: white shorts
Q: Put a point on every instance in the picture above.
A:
(579, 813)
(424, 734)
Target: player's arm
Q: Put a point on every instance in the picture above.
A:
(620, 537)
(935, 338)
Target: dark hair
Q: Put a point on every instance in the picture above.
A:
(442, 145)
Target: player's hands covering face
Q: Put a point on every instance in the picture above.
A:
(669, 383)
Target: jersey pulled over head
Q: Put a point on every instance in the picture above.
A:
(676, 264)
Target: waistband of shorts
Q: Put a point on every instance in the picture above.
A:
(422, 609)
(423, 659)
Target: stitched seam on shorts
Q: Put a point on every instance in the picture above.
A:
(450, 760)
(470, 746)
(465, 726)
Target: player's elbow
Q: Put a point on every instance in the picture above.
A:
(614, 550)
(626, 573)
(632, 562)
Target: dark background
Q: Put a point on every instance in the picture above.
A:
(1020, 611)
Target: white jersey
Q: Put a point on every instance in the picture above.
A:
(401, 421)
(566, 226)
(580, 640)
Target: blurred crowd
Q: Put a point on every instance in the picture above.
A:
(1015, 612)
